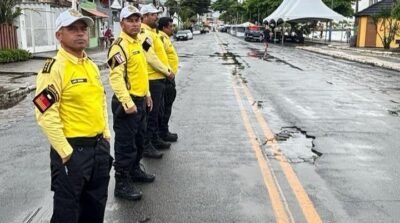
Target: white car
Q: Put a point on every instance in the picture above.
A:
(184, 35)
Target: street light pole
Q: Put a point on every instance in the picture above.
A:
(330, 25)
(73, 4)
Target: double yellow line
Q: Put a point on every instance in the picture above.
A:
(279, 205)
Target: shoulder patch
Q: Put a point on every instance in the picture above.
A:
(146, 44)
(45, 99)
(47, 66)
(116, 60)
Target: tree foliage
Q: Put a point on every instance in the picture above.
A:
(7, 11)
(188, 9)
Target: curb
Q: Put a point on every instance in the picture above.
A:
(355, 59)
(12, 97)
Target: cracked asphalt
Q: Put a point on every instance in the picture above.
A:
(332, 121)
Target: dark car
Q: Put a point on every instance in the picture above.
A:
(253, 35)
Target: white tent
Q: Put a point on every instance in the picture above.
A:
(298, 10)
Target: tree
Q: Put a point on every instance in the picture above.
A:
(388, 22)
(7, 11)
(188, 9)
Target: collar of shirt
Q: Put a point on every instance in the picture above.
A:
(125, 36)
(148, 27)
(164, 34)
(71, 57)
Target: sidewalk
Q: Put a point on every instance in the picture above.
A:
(376, 57)
(18, 79)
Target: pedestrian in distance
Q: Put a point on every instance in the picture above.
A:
(166, 30)
(129, 81)
(108, 36)
(158, 71)
(266, 39)
(71, 109)
(348, 35)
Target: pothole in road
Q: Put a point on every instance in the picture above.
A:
(297, 145)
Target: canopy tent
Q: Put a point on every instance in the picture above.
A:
(302, 10)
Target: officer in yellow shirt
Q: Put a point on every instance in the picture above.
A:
(166, 30)
(71, 110)
(129, 81)
(158, 70)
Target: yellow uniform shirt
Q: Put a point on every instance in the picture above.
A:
(70, 101)
(173, 59)
(157, 60)
(126, 57)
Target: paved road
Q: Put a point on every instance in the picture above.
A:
(292, 137)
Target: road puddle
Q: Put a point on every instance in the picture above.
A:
(264, 55)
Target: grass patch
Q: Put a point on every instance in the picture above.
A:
(14, 55)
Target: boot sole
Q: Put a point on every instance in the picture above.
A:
(131, 198)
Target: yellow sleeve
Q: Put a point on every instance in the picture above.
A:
(152, 58)
(49, 120)
(116, 62)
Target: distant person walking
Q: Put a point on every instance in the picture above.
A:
(348, 35)
(267, 37)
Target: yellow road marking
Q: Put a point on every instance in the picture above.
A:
(301, 195)
(274, 195)
(304, 201)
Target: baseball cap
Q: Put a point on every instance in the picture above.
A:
(149, 8)
(128, 11)
(70, 16)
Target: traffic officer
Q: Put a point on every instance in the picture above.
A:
(129, 81)
(71, 110)
(158, 70)
(166, 30)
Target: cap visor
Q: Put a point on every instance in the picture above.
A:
(89, 22)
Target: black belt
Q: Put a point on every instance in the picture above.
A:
(85, 141)
(134, 97)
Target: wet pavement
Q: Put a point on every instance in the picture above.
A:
(334, 122)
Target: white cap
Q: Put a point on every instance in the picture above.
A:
(70, 16)
(128, 11)
(149, 8)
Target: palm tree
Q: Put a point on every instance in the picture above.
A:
(7, 11)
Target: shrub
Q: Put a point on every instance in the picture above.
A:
(14, 55)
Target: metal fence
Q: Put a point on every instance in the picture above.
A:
(36, 27)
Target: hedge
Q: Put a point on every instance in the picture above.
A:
(14, 55)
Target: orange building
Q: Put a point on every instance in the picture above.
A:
(368, 33)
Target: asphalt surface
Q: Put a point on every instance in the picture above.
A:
(335, 122)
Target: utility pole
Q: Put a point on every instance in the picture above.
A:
(330, 25)
(74, 4)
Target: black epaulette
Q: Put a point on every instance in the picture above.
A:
(47, 66)
(142, 30)
(162, 38)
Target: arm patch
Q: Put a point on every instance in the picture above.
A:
(45, 99)
(47, 66)
(146, 44)
(116, 60)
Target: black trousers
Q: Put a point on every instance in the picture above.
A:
(166, 108)
(157, 88)
(80, 186)
(129, 134)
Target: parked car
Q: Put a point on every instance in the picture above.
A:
(253, 35)
(184, 35)
(204, 30)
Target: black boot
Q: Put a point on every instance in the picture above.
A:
(160, 144)
(125, 189)
(139, 175)
(169, 137)
(151, 152)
